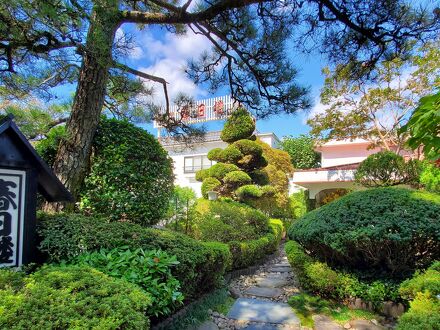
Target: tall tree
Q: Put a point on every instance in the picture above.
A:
(376, 110)
(45, 43)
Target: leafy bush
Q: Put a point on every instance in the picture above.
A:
(72, 297)
(248, 147)
(220, 170)
(227, 221)
(430, 177)
(247, 253)
(319, 278)
(250, 191)
(299, 204)
(238, 126)
(379, 232)
(384, 169)
(65, 236)
(131, 176)
(302, 151)
(215, 154)
(150, 270)
(423, 314)
(237, 178)
(47, 148)
(428, 280)
(209, 184)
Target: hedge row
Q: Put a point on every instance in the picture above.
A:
(247, 253)
(319, 278)
(70, 297)
(201, 267)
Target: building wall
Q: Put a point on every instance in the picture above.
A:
(345, 154)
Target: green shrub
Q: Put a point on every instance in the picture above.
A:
(237, 178)
(231, 154)
(248, 147)
(260, 177)
(423, 314)
(227, 221)
(202, 174)
(383, 169)
(319, 278)
(150, 270)
(383, 232)
(131, 176)
(249, 191)
(73, 297)
(430, 178)
(220, 170)
(247, 253)
(11, 279)
(299, 204)
(47, 148)
(215, 154)
(428, 280)
(65, 236)
(239, 125)
(209, 184)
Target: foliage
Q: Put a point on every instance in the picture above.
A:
(248, 192)
(73, 297)
(238, 126)
(243, 156)
(151, 270)
(319, 278)
(376, 111)
(182, 198)
(47, 147)
(299, 204)
(332, 195)
(424, 125)
(383, 169)
(306, 306)
(247, 253)
(199, 311)
(428, 280)
(210, 184)
(302, 151)
(65, 236)
(387, 232)
(423, 314)
(129, 157)
(430, 177)
(227, 221)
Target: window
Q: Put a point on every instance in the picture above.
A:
(196, 163)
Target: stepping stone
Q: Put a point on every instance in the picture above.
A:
(325, 323)
(364, 325)
(263, 292)
(245, 309)
(282, 264)
(208, 325)
(261, 327)
(283, 269)
(272, 281)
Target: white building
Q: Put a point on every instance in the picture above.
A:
(188, 160)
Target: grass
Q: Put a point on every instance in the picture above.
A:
(306, 306)
(218, 301)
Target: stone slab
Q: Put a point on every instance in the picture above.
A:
(325, 323)
(263, 292)
(262, 311)
(280, 269)
(261, 327)
(208, 325)
(364, 325)
(272, 281)
(282, 264)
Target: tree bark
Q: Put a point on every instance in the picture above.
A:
(73, 157)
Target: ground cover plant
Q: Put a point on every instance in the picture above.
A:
(379, 233)
(201, 265)
(70, 297)
(150, 270)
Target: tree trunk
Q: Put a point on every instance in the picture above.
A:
(73, 157)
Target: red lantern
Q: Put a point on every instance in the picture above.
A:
(201, 110)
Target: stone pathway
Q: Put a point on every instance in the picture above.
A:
(262, 303)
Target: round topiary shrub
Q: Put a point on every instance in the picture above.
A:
(219, 170)
(231, 154)
(215, 154)
(248, 147)
(382, 232)
(239, 125)
(209, 184)
(131, 176)
(249, 191)
(237, 178)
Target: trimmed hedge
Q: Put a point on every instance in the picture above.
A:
(382, 232)
(201, 267)
(239, 125)
(319, 278)
(70, 297)
(209, 184)
(247, 253)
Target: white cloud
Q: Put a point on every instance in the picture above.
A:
(168, 57)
